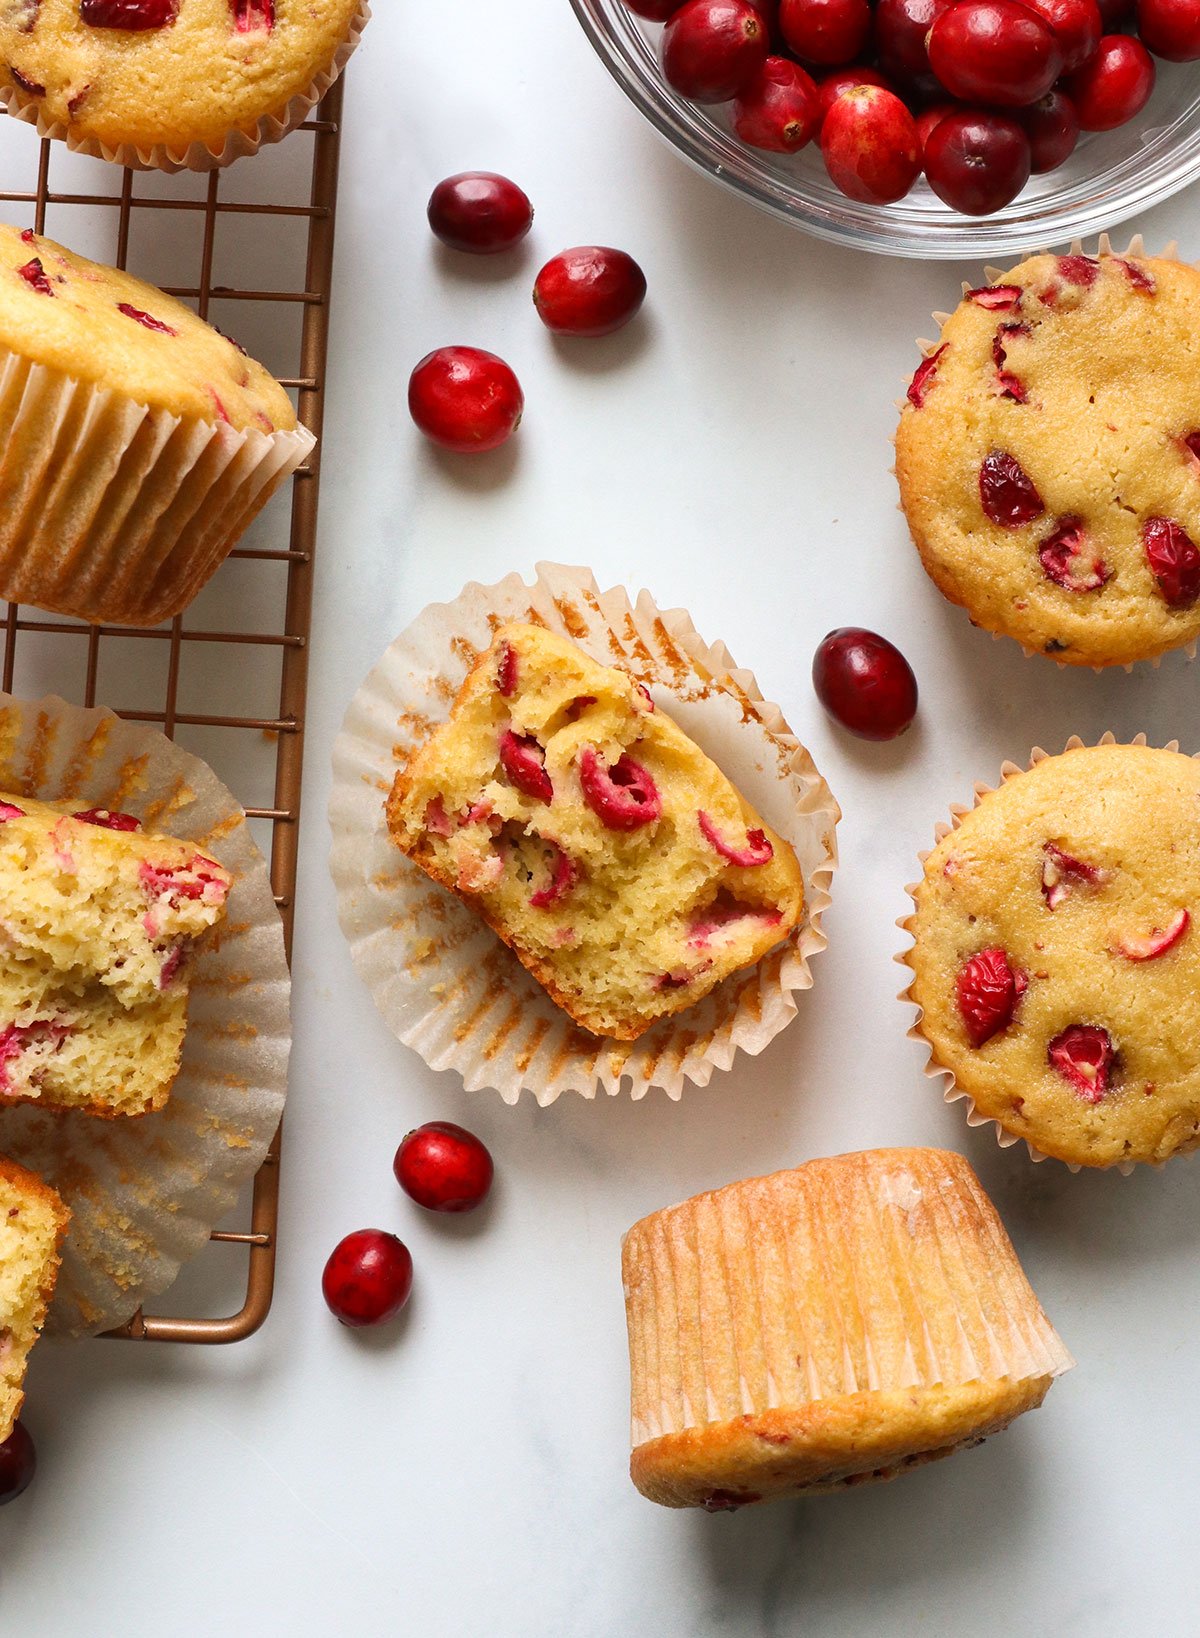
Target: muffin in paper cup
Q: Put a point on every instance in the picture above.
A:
(444, 983)
(60, 110)
(144, 1194)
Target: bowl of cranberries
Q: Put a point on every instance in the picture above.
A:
(921, 127)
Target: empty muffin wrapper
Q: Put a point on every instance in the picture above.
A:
(443, 981)
(145, 1193)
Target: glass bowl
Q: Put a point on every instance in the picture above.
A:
(1111, 175)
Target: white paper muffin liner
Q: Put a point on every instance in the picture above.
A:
(115, 512)
(144, 1193)
(443, 981)
(194, 156)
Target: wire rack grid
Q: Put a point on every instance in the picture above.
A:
(148, 674)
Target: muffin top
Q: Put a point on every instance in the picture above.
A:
(171, 72)
(1049, 457)
(102, 326)
(1055, 957)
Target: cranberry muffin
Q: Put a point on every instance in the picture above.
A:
(1055, 960)
(33, 1221)
(1048, 457)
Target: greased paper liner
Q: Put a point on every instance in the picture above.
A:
(992, 275)
(115, 512)
(195, 156)
(145, 1192)
(877, 1271)
(934, 1067)
(442, 980)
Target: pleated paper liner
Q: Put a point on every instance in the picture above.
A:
(145, 1193)
(993, 275)
(194, 156)
(117, 513)
(866, 1272)
(443, 981)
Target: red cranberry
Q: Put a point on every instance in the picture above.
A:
(18, 1463)
(107, 820)
(1113, 13)
(623, 796)
(465, 399)
(825, 32)
(34, 275)
(865, 683)
(1007, 493)
(368, 1277)
(994, 51)
(146, 320)
(1114, 86)
(591, 290)
(977, 162)
(1075, 24)
(930, 118)
(870, 146)
(1052, 126)
(128, 14)
(654, 11)
(901, 30)
(1170, 28)
(989, 989)
(712, 49)
(524, 763)
(443, 1167)
(778, 110)
(845, 79)
(480, 212)
(1084, 1056)
(1174, 561)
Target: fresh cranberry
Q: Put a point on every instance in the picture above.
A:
(368, 1277)
(1070, 560)
(977, 162)
(128, 14)
(1114, 13)
(1174, 561)
(1075, 24)
(865, 683)
(623, 796)
(994, 51)
(480, 212)
(1170, 28)
(825, 32)
(465, 399)
(18, 1463)
(929, 119)
(443, 1167)
(1052, 126)
(1083, 1055)
(988, 988)
(107, 819)
(870, 146)
(778, 110)
(590, 290)
(712, 49)
(654, 11)
(901, 30)
(1006, 491)
(1114, 86)
(845, 79)
(523, 760)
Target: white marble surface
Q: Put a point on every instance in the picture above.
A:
(464, 1472)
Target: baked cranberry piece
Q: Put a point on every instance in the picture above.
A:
(977, 161)
(1062, 871)
(924, 376)
(368, 1278)
(9, 810)
(825, 32)
(712, 49)
(443, 1167)
(18, 1463)
(1008, 385)
(134, 15)
(1068, 559)
(778, 111)
(870, 145)
(997, 298)
(865, 683)
(506, 672)
(1139, 277)
(562, 878)
(252, 15)
(624, 796)
(1008, 495)
(590, 290)
(146, 320)
(1174, 561)
(1114, 85)
(1170, 28)
(523, 760)
(758, 849)
(479, 212)
(34, 275)
(107, 819)
(1083, 1055)
(988, 988)
(1149, 946)
(996, 52)
(31, 88)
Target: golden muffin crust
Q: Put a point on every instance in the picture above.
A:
(1068, 392)
(33, 1221)
(99, 325)
(1056, 957)
(215, 67)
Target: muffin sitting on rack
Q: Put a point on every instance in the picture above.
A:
(33, 1221)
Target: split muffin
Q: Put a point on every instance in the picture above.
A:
(1048, 457)
(33, 1221)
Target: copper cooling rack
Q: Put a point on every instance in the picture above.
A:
(268, 579)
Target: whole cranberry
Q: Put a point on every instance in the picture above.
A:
(1113, 13)
(368, 1277)
(654, 11)
(977, 162)
(832, 86)
(1052, 126)
(994, 51)
(929, 118)
(778, 109)
(712, 49)
(479, 212)
(590, 290)
(1170, 28)
(1076, 25)
(1114, 86)
(870, 146)
(865, 683)
(901, 30)
(465, 399)
(825, 32)
(444, 1167)
(18, 1463)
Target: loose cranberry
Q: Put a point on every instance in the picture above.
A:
(590, 290)
(1052, 126)
(988, 988)
(870, 145)
(901, 30)
(368, 1277)
(825, 32)
(34, 275)
(1083, 1055)
(1173, 559)
(1070, 560)
(1007, 493)
(444, 1167)
(128, 14)
(523, 760)
(654, 11)
(18, 1463)
(479, 212)
(1114, 86)
(865, 683)
(977, 162)
(929, 119)
(778, 110)
(845, 79)
(1113, 13)
(1076, 25)
(924, 377)
(107, 819)
(994, 51)
(465, 399)
(1170, 28)
(623, 796)
(712, 49)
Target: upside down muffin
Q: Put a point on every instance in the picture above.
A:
(33, 1221)
(618, 863)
